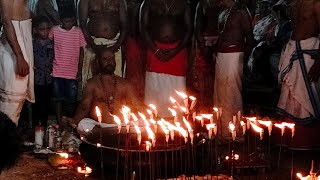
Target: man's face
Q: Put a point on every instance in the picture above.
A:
(68, 23)
(107, 62)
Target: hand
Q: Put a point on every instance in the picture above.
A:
(22, 66)
(314, 72)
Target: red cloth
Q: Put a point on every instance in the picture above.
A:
(175, 66)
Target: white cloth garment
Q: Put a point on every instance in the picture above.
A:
(15, 89)
(294, 98)
(158, 89)
(228, 86)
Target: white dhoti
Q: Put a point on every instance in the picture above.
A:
(294, 98)
(89, 61)
(13, 88)
(158, 89)
(228, 86)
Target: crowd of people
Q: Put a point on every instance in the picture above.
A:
(115, 52)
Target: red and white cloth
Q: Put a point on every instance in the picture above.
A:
(67, 44)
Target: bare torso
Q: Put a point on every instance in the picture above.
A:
(231, 30)
(104, 18)
(20, 10)
(101, 97)
(166, 20)
(304, 19)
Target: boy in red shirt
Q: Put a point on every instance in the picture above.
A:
(68, 54)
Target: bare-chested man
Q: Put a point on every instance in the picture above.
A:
(206, 32)
(166, 27)
(235, 40)
(300, 63)
(103, 22)
(107, 91)
(16, 62)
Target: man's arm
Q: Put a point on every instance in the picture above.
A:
(124, 25)
(83, 110)
(83, 17)
(7, 17)
(314, 72)
(198, 24)
(143, 20)
(246, 25)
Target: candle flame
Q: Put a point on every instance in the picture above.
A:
(98, 111)
(207, 116)
(256, 128)
(280, 126)
(144, 119)
(289, 125)
(181, 94)
(182, 131)
(150, 133)
(149, 111)
(183, 109)
(242, 123)
(64, 155)
(173, 100)
(231, 127)
(134, 117)
(199, 118)
(87, 170)
(153, 107)
(187, 124)
(192, 98)
(125, 110)
(215, 109)
(153, 121)
(137, 129)
(173, 112)
(265, 123)
(170, 126)
(210, 126)
(163, 127)
(116, 119)
(252, 119)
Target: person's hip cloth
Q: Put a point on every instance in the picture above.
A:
(163, 78)
(295, 98)
(14, 89)
(228, 85)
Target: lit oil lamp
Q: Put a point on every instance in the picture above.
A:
(184, 97)
(86, 170)
(268, 124)
(98, 114)
(138, 133)
(243, 125)
(211, 128)
(174, 114)
(193, 102)
(117, 121)
(257, 129)
(154, 108)
(164, 129)
(232, 131)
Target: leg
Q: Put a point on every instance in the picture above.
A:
(58, 95)
(71, 89)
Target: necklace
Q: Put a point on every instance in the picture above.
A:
(109, 98)
(167, 7)
(223, 17)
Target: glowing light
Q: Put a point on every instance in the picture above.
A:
(257, 129)
(173, 112)
(134, 117)
(181, 94)
(64, 155)
(98, 114)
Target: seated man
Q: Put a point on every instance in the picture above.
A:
(105, 90)
(9, 139)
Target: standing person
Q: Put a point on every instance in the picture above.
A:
(69, 42)
(235, 40)
(104, 23)
(16, 54)
(43, 58)
(300, 64)
(134, 52)
(206, 33)
(166, 28)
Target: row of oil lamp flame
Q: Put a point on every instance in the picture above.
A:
(186, 110)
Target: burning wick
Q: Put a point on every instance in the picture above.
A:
(86, 171)
(134, 117)
(208, 116)
(125, 112)
(290, 126)
(174, 114)
(144, 119)
(164, 129)
(117, 121)
(151, 136)
(200, 118)
(171, 129)
(138, 133)
(216, 110)
(148, 146)
(257, 129)
(154, 108)
(243, 125)
(150, 113)
(250, 119)
(268, 124)
(312, 176)
(211, 127)
(232, 131)
(155, 126)
(280, 126)
(193, 102)
(190, 130)
(184, 97)
(98, 114)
